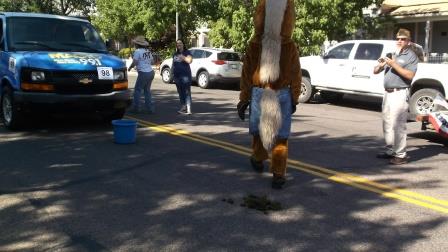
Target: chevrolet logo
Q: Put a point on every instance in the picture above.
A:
(85, 81)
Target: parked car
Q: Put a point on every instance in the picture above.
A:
(347, 68)
(57, 63)
(209, 66)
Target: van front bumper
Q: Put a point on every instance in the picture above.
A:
(116, 100)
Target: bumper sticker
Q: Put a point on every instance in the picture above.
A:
(67, 58)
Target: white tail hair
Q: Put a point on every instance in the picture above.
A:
(270, 119)
(272, 40)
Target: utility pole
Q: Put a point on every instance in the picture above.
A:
(177, 22)
(427, 35)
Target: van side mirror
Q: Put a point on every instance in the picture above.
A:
(108, 44)
(323, 53)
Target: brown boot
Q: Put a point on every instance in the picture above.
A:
(278, 181)
(259, 154)
(398, 160)
(279, 157)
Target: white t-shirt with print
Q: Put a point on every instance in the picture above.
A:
(144, 60)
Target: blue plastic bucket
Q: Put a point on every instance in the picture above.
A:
(125, 131)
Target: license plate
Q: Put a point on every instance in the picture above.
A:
(233, 66)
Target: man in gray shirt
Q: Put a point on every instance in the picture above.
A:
(399, 71)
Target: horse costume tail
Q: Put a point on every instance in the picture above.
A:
(270, 119)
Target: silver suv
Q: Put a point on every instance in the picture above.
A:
(209, 66)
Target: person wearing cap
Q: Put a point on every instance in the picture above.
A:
(182, 59)
(399, 71)
(142, 60)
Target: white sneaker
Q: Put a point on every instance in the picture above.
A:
(188, 110)
(182, 110)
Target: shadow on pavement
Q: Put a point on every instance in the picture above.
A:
(72, 189)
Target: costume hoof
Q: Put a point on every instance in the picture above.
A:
(278, 182)
(257, 165)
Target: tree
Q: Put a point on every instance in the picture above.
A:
(61, 7)
(316, 21)
(322, 20)
(8, 5)
(234, 24)
(125, 19)
(155, 19)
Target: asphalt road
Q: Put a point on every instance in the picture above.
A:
(65, 186)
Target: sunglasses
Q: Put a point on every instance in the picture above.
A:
(402, 39)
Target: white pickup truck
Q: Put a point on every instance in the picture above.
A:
(347, 68)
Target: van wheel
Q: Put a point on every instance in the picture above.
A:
(166, 75)
(331, 97)
(114, 115)
(421, 102)
(306, 90)
(11, 116)
(203, 80)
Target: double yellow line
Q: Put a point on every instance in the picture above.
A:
(343, 178)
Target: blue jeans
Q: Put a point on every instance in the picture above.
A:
(284, 98)
(183, 85)
(144, 81)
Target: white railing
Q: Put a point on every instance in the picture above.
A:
(437, 58)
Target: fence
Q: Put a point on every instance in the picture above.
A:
(437, 58)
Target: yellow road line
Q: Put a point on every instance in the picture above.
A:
(343, 178)
(361, 180)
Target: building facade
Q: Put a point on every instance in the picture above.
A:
(426, 19)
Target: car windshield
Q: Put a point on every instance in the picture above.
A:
(50, 34)
(228, 56)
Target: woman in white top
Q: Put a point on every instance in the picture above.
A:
(143, 60)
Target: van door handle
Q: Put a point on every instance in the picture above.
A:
(360, 76)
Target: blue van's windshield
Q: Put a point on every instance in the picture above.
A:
(50, 34)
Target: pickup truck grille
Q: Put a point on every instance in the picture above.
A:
(70, 82)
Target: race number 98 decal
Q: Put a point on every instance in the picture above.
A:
(105, 73)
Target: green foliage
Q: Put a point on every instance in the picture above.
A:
(376, 28)
(166, 52)
(8, 5)
(234, 24)
(230, 21)
(60, 7)
(316, 21)
(126, 52)
(154, 19)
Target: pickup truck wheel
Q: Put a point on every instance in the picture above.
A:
(203, 80)
(166, 75)
(421, 102)
(306, 90)
(332, 97)
(11, 116)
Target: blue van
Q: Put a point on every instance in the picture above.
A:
(52, 62)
